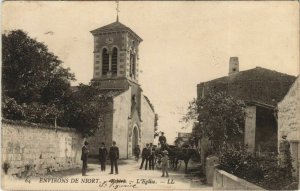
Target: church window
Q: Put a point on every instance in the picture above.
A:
(132, 66)
(105, 61)
(114, 61)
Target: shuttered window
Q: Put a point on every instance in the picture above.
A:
(114, 61)
(105, 61)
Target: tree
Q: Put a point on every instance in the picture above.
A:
(220, 117)
(34, 82)
(85, 109)
(30, 73)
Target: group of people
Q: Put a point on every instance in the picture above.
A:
(148, 156)
(113, 156)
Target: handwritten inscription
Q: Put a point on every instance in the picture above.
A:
(108, 184)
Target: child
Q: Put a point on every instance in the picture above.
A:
(165, 163)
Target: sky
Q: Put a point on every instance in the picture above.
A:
(184, 42)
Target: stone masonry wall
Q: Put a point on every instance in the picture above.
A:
(289, 114)
(121, 113)
(289, 123)
(31, 149)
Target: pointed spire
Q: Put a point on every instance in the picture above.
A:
(118, 10)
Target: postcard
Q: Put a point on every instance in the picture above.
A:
(150, 95)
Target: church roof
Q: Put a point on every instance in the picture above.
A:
(111, 93)
(103, 92)
(114, 27)
(259, 85)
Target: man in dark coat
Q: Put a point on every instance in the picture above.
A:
(162, 139)
(145, 156)
(84, 158)
(137, 152)
(102, 156)
(114, 156)
(151, 157)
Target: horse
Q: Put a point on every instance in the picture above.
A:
(184, 154)
(176, 154)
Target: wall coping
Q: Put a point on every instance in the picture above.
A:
(240, 180)
(36, 125)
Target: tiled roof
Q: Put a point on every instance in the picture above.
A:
(104, 92)
(113, 27)
(254, 85)
(111, 93)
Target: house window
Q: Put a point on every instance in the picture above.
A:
(105, 61)
(114, 61)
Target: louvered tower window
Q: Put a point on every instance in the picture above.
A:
(105, 61)
(132, 65)
(114, 61)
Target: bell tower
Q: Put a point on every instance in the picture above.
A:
(116, 55)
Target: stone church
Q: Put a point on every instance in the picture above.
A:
(131, 121)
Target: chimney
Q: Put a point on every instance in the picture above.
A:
(233, 65)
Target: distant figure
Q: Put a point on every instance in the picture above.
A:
(84, 158)
(165, 163)
(162, 139)
(137, 152)
(114, 156)
(285, 157)
(151, 157)
(102, 156)
(145, 156)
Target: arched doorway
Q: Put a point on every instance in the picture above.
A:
(135, 138)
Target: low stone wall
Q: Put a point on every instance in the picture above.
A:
(31, 149)
(226, 181)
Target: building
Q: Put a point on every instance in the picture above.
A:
(289, 122)
(116, 73)
(261, 89)
(182, 138)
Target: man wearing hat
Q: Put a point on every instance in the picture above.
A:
(285, 158)
(102, 156)
(114, 156)
(162, 139)
(84, 157)
(165, 163)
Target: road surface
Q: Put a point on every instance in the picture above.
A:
(130, 177)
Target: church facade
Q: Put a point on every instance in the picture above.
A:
(131, 121)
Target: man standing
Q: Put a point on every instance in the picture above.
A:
(145, 156)
(285, 158)
(102, 156)
(114, 156)
(151, 157)
(84, 158)
(137, 152)
(162, 139)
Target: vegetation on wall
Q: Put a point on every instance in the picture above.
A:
(264, 171)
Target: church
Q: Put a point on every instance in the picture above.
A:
(131, 121)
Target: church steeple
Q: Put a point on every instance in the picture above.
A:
(116, 52)
(118, 10)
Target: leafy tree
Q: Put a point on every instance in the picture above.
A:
(30, 73)
(220, 117)
(86, 108)
(34, 82)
